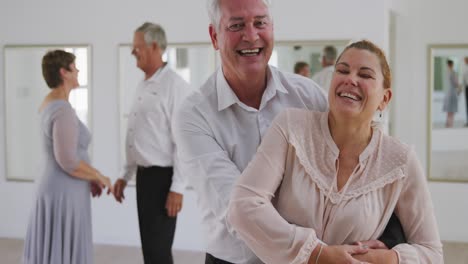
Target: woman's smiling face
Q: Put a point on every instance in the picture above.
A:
(357, 88)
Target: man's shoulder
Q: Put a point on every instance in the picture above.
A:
(203, 98)
(175, 78)
(199, 109)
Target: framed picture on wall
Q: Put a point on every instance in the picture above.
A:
(25, 89)
(448, 112)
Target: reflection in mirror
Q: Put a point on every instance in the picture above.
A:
(193, 62)
(25, 89)
(448, 147)
(286, 54)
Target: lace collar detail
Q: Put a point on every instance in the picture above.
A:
(382, 161)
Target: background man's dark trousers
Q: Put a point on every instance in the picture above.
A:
(156, 227)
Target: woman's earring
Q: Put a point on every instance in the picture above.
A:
(378, 116)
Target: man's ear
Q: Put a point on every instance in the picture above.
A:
(213, 36)
(154, 45)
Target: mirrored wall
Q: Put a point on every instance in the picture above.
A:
(287, 53)
(25, 89)
(447, 113)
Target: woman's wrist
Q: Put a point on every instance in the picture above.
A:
(315, 254)
(318, 254)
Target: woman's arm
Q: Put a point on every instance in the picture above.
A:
(379, 256)
(416, 213)
(253, 216)
(65, 134)
(86, 172)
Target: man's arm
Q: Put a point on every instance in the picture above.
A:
(177, 94)
(129, 170)
(212, 172)
(393, 233)
(175, 196)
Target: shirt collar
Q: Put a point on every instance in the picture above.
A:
(159, 72)
(227, 97)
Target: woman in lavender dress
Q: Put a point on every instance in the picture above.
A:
(451, 95)
(59, 228)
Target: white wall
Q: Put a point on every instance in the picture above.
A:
(105, 24)
(427, 22)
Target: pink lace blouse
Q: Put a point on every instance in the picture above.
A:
(286, 200)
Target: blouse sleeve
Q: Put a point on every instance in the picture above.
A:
(416, 213)
(251, 212)
(65, 139)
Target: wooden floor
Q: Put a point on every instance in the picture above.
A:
(11, 249)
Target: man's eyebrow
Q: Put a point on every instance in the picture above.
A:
(261, 17)
(236, 19)
(241, 18)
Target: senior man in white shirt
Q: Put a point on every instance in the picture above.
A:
(220, 127)
(324, 76)
(150, 146)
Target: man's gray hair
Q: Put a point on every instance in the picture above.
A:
(153, 33)
(329, 52)
(214, 11)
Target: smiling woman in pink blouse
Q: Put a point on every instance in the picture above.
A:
(321, 182)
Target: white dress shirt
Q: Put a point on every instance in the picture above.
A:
(149, 140)
(465, 76)
(323, 77)
(218, 136)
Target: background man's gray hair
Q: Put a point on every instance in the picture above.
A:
(153, 33)
(329, 52)
(214, 11)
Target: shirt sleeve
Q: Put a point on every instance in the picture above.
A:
(416, 213)
(65, 134)
(251, 212)
(130, 166)
(212, 172)
(179, 179)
